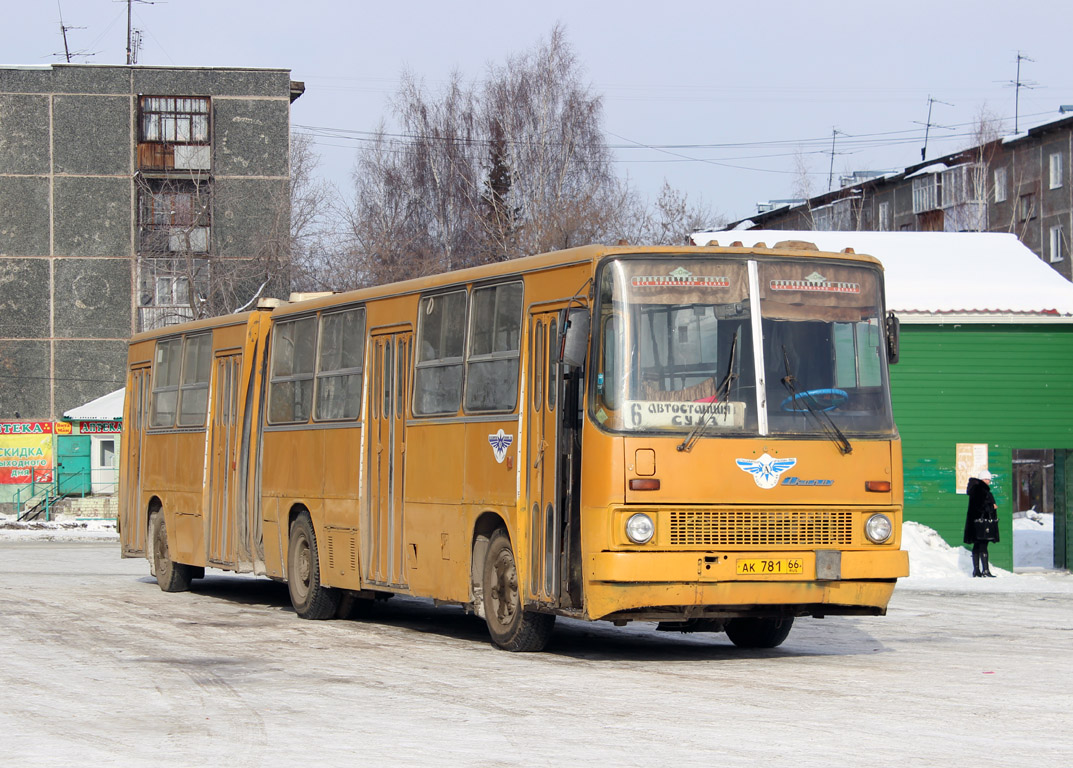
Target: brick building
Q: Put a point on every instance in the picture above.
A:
(1020, 184)
(130, 197)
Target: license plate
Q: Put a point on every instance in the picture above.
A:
(767, 567)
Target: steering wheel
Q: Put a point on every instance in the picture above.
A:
(828, 399)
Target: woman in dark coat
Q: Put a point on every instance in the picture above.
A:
(981, 522)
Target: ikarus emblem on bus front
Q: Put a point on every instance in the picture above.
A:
(500, 442)
(766, 469)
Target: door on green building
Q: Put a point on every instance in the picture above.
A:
(72, 464)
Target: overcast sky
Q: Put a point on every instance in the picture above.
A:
(723, 100)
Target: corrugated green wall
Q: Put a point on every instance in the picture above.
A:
(1010, 386)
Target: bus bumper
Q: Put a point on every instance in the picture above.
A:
(667, 585)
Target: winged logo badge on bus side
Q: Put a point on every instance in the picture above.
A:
(500, 442)
(766, 469)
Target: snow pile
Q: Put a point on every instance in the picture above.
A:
(935, 565)
(1033, 540)
(63, 529)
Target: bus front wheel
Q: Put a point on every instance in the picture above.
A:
(310, 598)
(758, 633)
(170, 575)
(512, 628)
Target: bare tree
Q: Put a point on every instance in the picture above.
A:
(673, 218)
(512, 166)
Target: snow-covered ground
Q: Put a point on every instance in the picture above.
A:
(933, 564)
(63, 529)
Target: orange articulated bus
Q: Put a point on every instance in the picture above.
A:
(698, 436)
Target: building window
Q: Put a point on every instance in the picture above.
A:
(107, 456)
(173, 216)
(1000, 185)
(884, 217)
(1027, 207)
(1055, 161)
(169, 289)
(1058, 251)
(927, 192)
(174, 133)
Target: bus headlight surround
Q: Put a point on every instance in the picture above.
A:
(878, 528)
(640, 529)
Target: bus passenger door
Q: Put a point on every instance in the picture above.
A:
(388, 402)
(132, 525)
(223, 523)
(545, 523)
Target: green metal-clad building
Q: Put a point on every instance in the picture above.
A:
(985, 378)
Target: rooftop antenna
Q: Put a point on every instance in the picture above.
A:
(928, 125)
(134, 37)
(67, 53)
(831, 173)
(1018, 84)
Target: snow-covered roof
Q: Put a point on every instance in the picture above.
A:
(105, 408)
(942, 273)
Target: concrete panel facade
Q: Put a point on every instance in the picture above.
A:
(72, 196)
(247, 214)
(91, 295)
(93, 216)
(24, 297)
(252, 137)
(88, 369)
(24, 128)
(91, 135)
(24, 216)
(25, 374)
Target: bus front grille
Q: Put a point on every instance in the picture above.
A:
(761, 527)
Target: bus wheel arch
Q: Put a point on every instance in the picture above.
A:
(170, 575)
(310, 598)
(487, 524)
(512, 627)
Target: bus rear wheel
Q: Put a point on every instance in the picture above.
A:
(512, 628)
(310, 598)
(758, 633)
(170, 575)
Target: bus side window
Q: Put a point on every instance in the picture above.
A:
(165, 383)
(494, 348)
(339, 365)
(290, 394)
(194, 389)
(438, 370)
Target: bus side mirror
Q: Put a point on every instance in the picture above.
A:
(573, 336)
(893, 333)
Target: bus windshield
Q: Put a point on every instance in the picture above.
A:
(677, 347)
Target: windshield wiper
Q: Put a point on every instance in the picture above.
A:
(721, 395)
(822, 417)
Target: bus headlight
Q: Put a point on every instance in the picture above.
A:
(640, 529)
(878, 528)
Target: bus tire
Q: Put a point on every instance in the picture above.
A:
(512, 628)
(170, 575)
(310, 598)
(758, 633)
